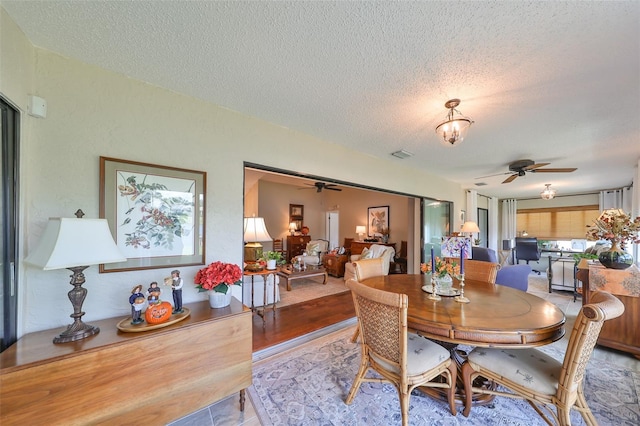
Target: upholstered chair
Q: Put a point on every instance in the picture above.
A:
(539, 379)
(399, 357)
(515, 276)
(315, 250)
(376, 250)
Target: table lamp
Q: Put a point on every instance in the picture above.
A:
(292, 228)
(255, 232)
(75, 244)
(360, 230)
(469, 227)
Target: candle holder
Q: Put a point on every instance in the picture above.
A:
(461, 298)
(434, 289)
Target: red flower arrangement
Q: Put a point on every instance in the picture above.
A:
(218, 276)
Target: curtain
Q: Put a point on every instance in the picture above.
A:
(509, 213)
(616, 199)
(472, 206)
(493, 225)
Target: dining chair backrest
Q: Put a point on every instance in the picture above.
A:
(480, 270)
(367, 268)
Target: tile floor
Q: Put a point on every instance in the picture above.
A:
(227, 412)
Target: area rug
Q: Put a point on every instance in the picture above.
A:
(307, 386)
(304, 289)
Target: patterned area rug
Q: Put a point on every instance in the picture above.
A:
(307, 386)
(305, 289)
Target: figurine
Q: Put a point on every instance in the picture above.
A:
(177, 291)
(153, 293)
(136, 300)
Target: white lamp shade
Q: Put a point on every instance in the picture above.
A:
(470, 226)
(360, 229)
(69, 242)
(255, 230)
(292, 226)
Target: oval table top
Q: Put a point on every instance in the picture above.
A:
(496, 316)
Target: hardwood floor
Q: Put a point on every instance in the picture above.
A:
(297, 320)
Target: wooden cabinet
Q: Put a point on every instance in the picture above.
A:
(619, 333)
(296, 245)
(335, 264)
(151, 377)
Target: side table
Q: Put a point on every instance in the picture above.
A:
(265, 278)
(335, 264)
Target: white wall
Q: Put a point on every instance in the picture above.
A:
(93, 112)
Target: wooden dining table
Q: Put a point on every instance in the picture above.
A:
(496, 316)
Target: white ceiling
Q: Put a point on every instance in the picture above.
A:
(555, 82)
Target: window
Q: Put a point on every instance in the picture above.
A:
(564, 223)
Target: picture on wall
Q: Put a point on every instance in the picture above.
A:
(155, 214)
(378, 221)
(296, 215)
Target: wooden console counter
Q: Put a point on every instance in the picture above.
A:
(113, 377)
(619, 333)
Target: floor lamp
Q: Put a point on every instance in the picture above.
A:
(255, 231)
(75, 244)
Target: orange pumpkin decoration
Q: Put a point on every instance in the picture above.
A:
(158, 313)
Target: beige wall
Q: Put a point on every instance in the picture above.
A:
(93, 112)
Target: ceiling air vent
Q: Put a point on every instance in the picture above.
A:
(402, 154)
(481, 184)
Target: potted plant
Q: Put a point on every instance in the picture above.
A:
(273, 258)
(619, 228)
(217, 278)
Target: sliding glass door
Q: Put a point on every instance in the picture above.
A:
(436, 224)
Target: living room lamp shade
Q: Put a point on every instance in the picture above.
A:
(75, 244)
(293, 227)
(361, 230)
(548, 193)
(255, 231)
(454, 128)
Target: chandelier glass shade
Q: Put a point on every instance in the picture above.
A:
(454, 128)
(548, 193)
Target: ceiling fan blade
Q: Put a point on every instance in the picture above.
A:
(535, 166)
(330, 188)
(496, 174)
(551, 170)
(510, 178)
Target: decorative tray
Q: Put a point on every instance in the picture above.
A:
(126, 326)
(452, 292)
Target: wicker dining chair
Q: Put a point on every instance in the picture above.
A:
(539, 379)
(478, 269)
(403, 359)
(367, 268)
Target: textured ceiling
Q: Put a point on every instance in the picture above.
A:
(556, 82)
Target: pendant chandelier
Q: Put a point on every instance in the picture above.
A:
(548, 193)
(454, 128)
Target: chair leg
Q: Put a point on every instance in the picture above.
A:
(404, 405)
(354, 338)
(587, 415)
(358, 380)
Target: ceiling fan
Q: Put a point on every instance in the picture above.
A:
(520, 167)
(319, 186)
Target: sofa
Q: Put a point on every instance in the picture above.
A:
(376, 250)
(515, 276)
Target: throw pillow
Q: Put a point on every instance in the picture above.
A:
(366, 254)
(313, 248)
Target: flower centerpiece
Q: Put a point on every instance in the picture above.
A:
(218, 276)
(618, 227)
(442, 268)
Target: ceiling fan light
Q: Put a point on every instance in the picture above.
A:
(454, 128)
(548, 193)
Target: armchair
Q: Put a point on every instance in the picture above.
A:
(376, 250)
(315, 250)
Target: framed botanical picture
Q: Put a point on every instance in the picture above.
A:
(378, 221)
(155, 213)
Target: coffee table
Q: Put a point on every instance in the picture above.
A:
(307, 273)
